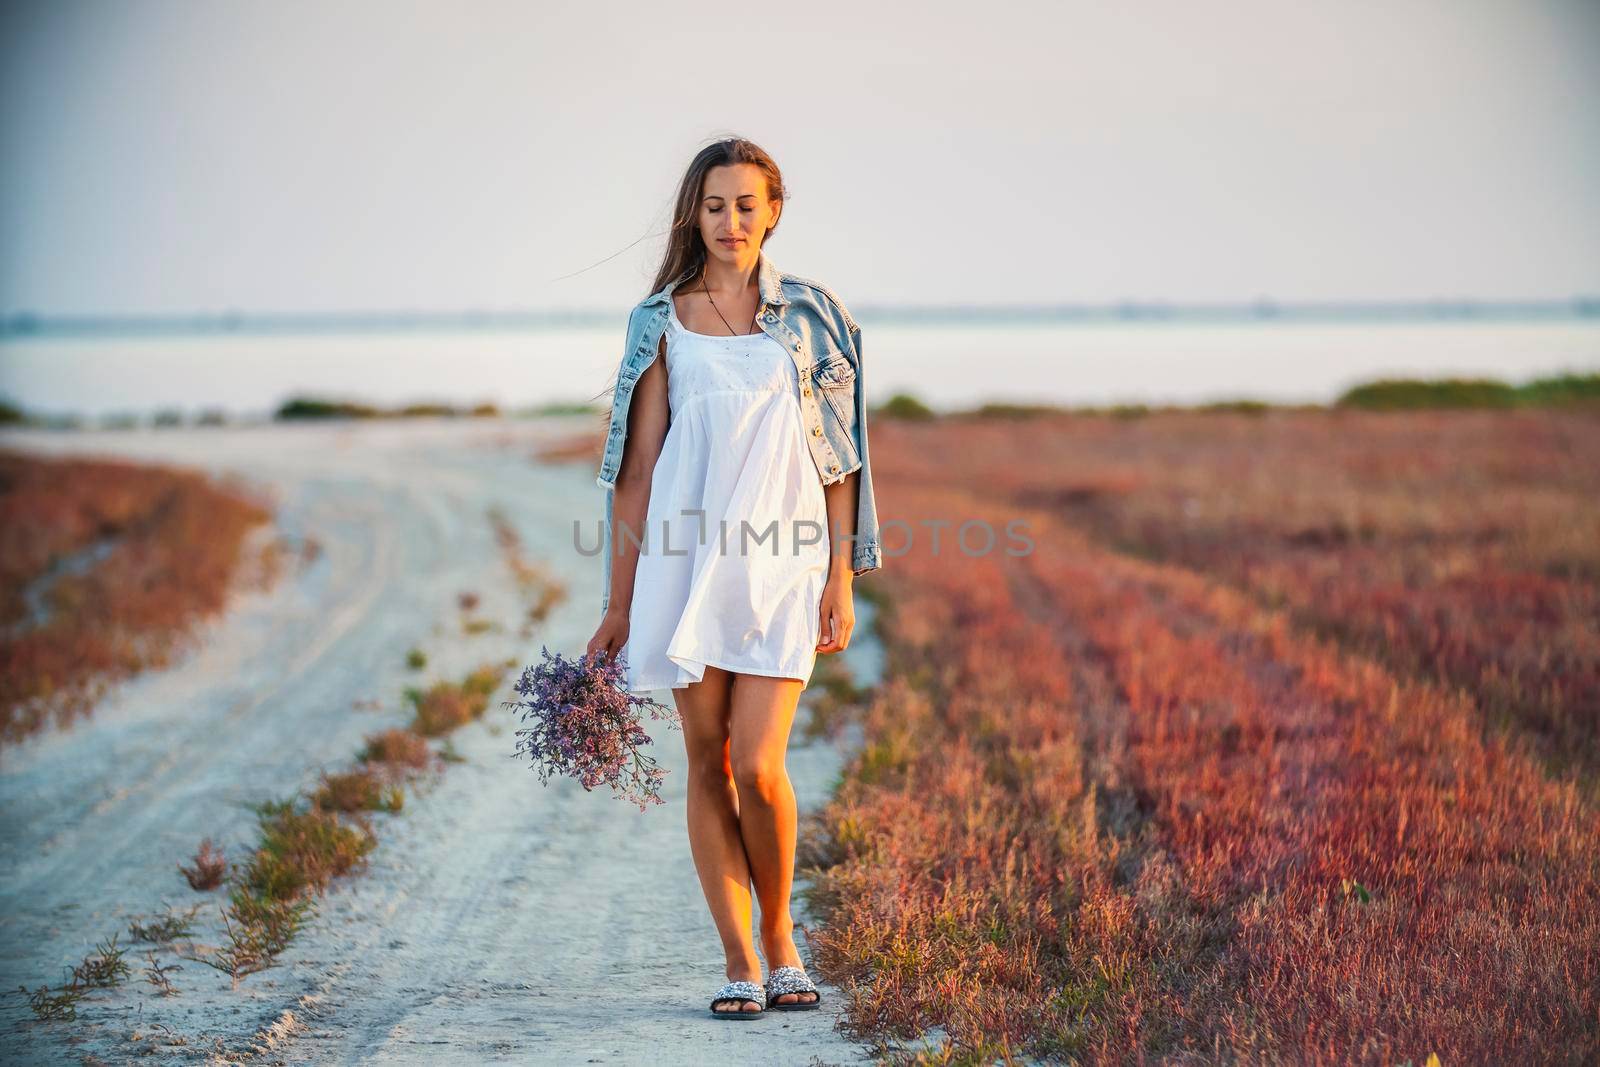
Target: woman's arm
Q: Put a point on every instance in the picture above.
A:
(648, 416)
(838, 609)
(842, 497)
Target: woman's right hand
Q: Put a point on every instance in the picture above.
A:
(611, 635)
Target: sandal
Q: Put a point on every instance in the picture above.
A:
(740, 991)
(791, 979)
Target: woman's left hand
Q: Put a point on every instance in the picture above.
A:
(838, 613)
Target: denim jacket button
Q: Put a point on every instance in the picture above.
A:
(807, 390)
(816, 431)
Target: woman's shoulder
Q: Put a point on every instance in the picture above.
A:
(638, 309)
(815, 290)
(639, 314)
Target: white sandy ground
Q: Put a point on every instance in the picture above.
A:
(500, 920)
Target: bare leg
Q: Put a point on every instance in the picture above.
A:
(713, 809)
(762, 713)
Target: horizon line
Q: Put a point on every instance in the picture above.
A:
(21, 324)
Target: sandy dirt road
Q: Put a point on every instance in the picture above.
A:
(499, 920)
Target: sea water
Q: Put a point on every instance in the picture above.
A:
(948, 364)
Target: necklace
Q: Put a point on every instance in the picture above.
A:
(706, 290)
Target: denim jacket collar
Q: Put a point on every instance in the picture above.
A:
(767, 281)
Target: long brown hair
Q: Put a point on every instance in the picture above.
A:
(686, 251)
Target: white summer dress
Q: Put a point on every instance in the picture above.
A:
(735, 553)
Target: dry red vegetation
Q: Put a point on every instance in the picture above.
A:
(398, 748)
(542, 589)
(446, 705)
(367, 788)
(105, 567)
(1159, 790)
(210, 867)
(1461, 548)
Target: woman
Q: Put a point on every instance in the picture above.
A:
(736, 467)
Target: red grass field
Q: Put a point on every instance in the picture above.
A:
(105, 567)
(1280, 745)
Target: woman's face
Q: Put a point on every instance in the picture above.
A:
(735, 213)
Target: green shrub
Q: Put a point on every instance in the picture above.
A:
(905, 406)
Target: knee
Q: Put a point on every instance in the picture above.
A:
(758, 776)
(709, 764)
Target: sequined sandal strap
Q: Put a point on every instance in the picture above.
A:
(788, 979)
(740, 990)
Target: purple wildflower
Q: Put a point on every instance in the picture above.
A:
(583, 722)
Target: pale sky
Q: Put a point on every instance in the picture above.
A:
(277, 156)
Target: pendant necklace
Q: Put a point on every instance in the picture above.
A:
(706, 290)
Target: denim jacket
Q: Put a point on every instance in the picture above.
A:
(825, 344)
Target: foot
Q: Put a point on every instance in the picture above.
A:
(744, 973)
(778, 946)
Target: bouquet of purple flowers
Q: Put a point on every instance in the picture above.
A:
(583, 722)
